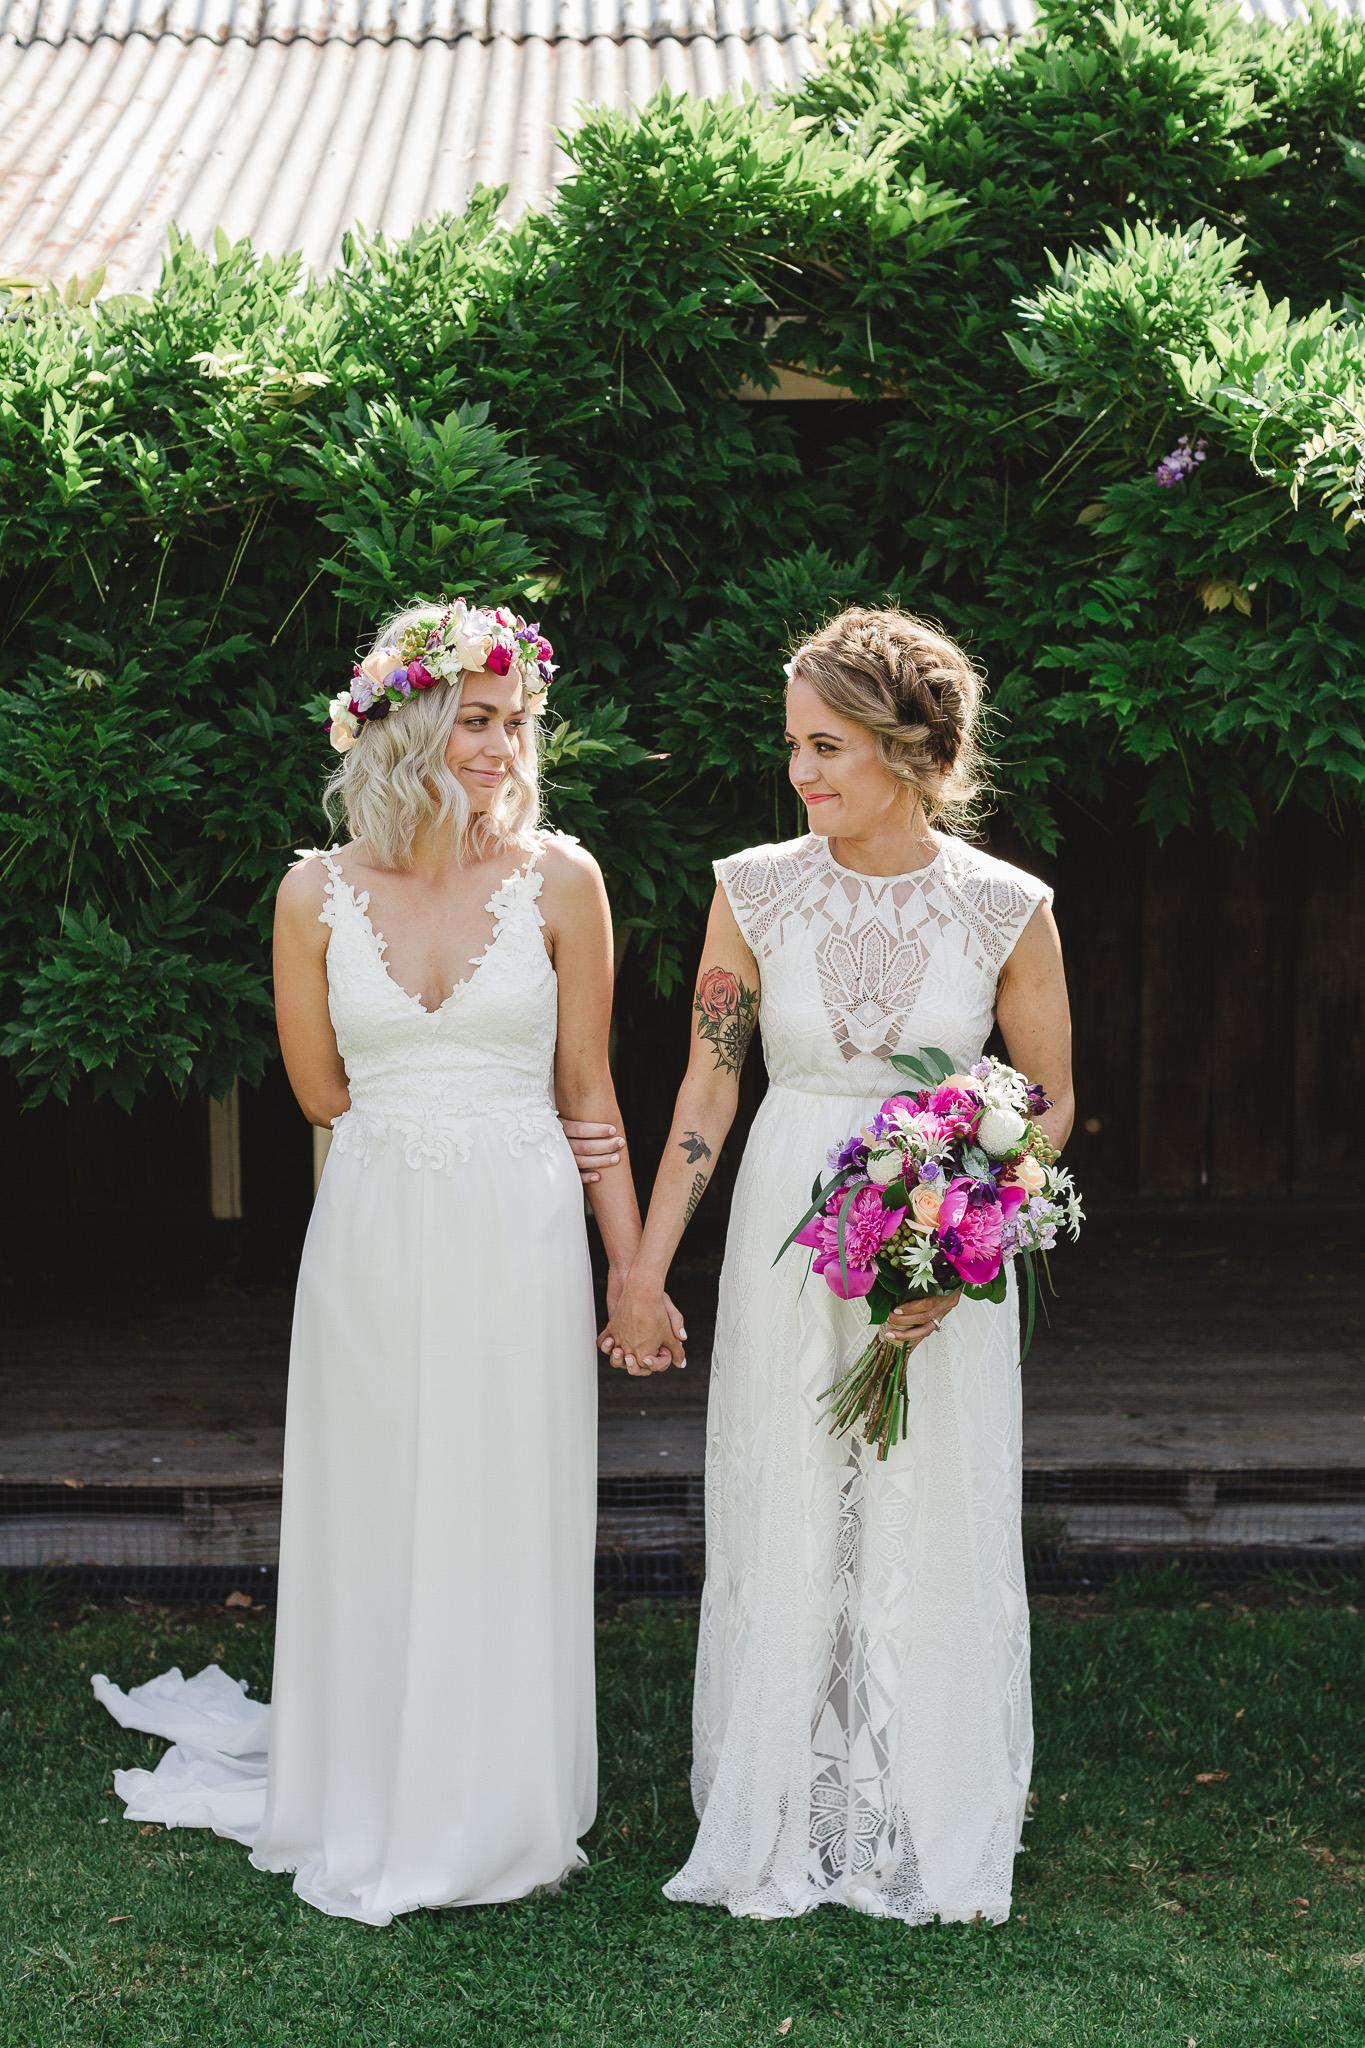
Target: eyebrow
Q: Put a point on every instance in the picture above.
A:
(836, 737)
(491, 709)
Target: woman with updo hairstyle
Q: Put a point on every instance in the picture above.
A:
(862, 1725)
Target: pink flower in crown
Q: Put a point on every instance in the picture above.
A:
(420, 676)
(971, 1229)
(499, 659)
(867, 1226)
(503, 616)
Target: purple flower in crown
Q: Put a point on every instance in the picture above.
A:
(362, 696)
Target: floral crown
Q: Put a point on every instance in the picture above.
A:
(440, 648)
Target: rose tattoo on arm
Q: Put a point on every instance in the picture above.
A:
(727, 1012)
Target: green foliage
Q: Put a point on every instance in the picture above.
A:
(1039, 272)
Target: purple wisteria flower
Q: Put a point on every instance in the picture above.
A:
(1180, 463)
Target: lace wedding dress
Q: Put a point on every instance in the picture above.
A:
(431, 1737)
(862, 1720)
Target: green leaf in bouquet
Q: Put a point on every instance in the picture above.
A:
(881, 1301)
(929, 1065)
(986, 1290)
(940, 1063)
(1031, 1280)
(822, 1195)
(976, 1162)
(895, 1196)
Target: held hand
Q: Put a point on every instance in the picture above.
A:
(645, 1332)
(594, 1146)
(913, 1321)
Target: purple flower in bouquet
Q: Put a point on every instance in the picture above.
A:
(867, 1226)
(1037, 1100)
(971, 1228)
(853, 1152)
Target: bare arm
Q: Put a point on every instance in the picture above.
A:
(724, 1015)
(307, 1040)
(1032, 1011)
(579, 919)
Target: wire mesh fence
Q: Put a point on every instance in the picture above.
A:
(1080, 1527)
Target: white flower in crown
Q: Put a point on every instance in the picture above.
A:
(378, 666)
(345, 726)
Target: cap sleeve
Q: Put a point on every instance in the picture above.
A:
(750, 890)
(1018, 894)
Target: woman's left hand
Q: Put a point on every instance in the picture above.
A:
(913, 1321)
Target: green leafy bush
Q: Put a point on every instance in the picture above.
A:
(1039, 271)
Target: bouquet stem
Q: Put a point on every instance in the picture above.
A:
(874, 1394)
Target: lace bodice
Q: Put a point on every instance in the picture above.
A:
(428, 1078)
(856, 967)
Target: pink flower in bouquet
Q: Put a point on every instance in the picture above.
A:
(971, 1233)
(959, 1110)
(867, 1226)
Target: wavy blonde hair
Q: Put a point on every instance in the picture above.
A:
(394, 781)
(914, 689)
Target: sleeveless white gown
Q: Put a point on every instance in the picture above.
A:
(862, 1721)
(431, 1738)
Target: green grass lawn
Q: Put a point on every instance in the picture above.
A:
(1151, 1908)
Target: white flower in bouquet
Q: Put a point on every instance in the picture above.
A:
(999, 1086)
(883, 1167)
(914, 1254)
(1062, 1191)
(1001, 1130)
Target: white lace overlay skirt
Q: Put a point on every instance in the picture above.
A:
(862, 1719)
(431, 1737)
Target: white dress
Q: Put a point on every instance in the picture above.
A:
(862, 1723)
(431, 1738)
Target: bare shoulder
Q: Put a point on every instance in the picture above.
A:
(303, 889)
(573, 879)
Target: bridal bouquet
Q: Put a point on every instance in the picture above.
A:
(936, 1192)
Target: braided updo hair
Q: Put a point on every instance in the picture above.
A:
(907, 683)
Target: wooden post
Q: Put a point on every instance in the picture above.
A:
(225, 1157)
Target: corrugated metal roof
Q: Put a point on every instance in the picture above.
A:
(263, 117)
(444, 21)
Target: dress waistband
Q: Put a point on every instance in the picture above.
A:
(877, 1094)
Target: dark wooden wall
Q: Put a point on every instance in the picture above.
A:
(1218, 1000)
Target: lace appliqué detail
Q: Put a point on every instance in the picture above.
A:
(446, 1144)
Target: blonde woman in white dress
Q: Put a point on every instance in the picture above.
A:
(443, 986)
(862, 1728)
